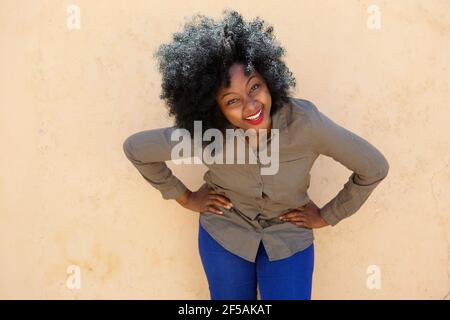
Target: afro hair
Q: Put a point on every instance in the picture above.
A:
(196, 63)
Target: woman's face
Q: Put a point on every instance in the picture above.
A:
(246, 97)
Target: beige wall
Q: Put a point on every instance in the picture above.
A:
(70, 97)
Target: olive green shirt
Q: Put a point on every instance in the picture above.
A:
(304, 133)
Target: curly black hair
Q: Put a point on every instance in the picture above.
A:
(196, 63)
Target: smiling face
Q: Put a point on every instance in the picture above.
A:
(247, 101)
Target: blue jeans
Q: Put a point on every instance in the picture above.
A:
(232, 277)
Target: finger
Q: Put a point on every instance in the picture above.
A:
(296, 219)
(213, 210)
(296, 213)
(219, 204)
(212, 191)
(217, 200)
(222, 200)
(290, 214)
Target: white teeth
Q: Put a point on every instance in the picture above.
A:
(256, 116)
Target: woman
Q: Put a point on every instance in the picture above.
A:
(254, 229)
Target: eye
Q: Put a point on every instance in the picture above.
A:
(256, 84)
(228, 103)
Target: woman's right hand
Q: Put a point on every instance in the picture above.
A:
(204, 199)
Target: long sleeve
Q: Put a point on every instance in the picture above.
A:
(148, 150)
(368, 164)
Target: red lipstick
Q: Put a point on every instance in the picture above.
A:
(257, 120)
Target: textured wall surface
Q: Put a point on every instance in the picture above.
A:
(69, 97)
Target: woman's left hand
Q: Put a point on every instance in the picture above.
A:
(306, 216)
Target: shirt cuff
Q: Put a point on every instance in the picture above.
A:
(175, 191)
(327, 214)
(347, 201)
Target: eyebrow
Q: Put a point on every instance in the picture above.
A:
(245, 84)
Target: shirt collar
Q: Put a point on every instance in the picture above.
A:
(280, 118)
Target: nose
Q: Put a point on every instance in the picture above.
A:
(250, 107)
